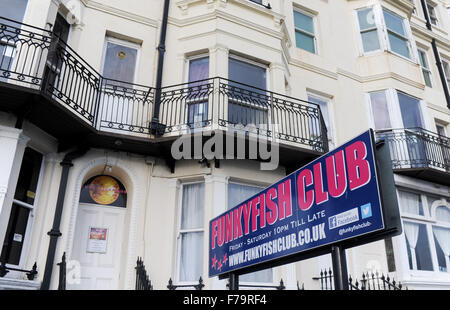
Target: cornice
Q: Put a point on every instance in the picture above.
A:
(119, 13)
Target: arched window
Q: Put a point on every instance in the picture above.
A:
(104, 190)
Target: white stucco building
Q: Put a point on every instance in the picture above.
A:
(79, 94)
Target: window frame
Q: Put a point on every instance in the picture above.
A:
(408, 36)
(180, 231)
(328, 102)
(426, 59)
(378, 28)
(304, 32)
(429, 220)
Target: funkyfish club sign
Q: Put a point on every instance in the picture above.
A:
(334, 198)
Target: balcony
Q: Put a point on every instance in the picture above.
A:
(44, 81)
(419, 153)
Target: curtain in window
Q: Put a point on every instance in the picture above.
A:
(442, 235)
(412, 234)
(410, 203)
(380, 111)
(191, 252)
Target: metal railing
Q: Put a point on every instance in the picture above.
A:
(62, 273)
(31, 274)
(143, 282)
(37, 58)
(368, 281)
(417, 148)
(198, 286)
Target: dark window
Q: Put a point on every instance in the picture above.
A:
(248, 100)
(23, 203)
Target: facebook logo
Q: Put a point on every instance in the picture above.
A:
(332, 223)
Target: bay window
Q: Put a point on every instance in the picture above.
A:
(426, 227)
(381, 29)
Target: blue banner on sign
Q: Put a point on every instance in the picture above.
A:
(334, 198)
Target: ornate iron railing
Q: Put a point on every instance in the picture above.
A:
(417, 148)
(143, 282)
(279, 287)
(62, 273)
(368, 281)
(37, 58)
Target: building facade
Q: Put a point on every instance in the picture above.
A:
(88, 104)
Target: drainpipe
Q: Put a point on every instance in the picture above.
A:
(55, 233)
(156, 127)
(437, 56)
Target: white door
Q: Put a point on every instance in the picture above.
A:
(98, 246)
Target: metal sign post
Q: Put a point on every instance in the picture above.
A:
(339, 262)
(234, 282)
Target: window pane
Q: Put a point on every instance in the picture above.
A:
(394, 23)
(323, 105)
(198, 69)
(366, 19)
(192, 206)
(442, 242)
(418, 248)
(370, 41)
(305, 42)
(399, 45)
(120, 63)
(380, 112)
(28, 176)
(410, 109)
(191, 261)
(427, 77)
(246, 73)
(237, 193)
(410, 203)
(423, 59)
(13, 9)
(443, 214)
(304, 22)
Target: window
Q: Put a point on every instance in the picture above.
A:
(120, 62)
(423, 58)
(238, 193)
(197, 98)
(13, 9)
(426, 226)
(382, 102)
(323, 104)
(446, 67)
(191, 232)
(368, 30)
(305, 37)
(410, 111)
(248, 102)
(375, 21)
(397, 35)
(22, 207)
(432, 13)
(379, 109)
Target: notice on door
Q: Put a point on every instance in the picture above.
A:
(97, 240)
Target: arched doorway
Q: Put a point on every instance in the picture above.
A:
(99, 231)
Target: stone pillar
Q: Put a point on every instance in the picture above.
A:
(13, 144)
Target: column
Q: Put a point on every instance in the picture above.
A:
(13, 144)
(218, 68)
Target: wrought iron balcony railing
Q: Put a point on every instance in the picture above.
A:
(38, 59)
(417, 148)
